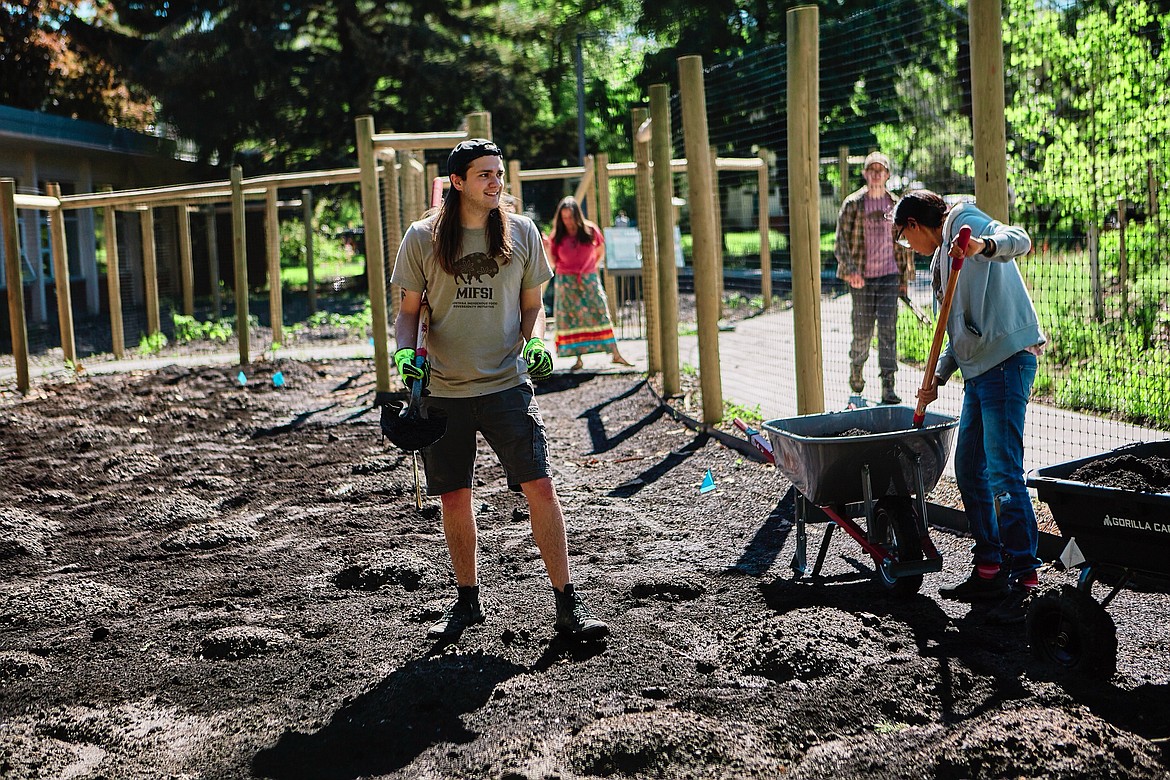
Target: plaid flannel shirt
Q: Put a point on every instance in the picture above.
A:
(849, 244)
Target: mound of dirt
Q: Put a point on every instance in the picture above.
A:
(1127, 472)
(200, 578)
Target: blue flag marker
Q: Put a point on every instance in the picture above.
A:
(242, 379)
(371, 341)
(708, 483)
(278, 379)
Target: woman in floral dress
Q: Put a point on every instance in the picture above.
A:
(576, 250)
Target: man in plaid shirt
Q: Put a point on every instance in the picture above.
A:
(877, 271)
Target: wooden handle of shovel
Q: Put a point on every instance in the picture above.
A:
(424, 324)
(940, 327)
(420, 351)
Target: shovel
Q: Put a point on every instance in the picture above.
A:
(408, 426)
(918, 313)
(940, 327)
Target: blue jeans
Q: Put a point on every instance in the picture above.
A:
(989, 466)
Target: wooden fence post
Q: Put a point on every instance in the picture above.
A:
(375, 258)
(113, 279)
(479, 125)
(1095, 272)
(591, 197)
(644, 198)
(804, 204)
(661, 157)
(240, 262)
(213, 261)
(515, 186)
(310, 219)
(718, 206)
(843, 173)
(186, 269)
(604, 219)
(413, 197)
(700, 183)
(762, 184)
(16, 321)
(394, 228)
(1122, 260)
(586, 188)
(272, 252)
(150, 271)
(987, 106)
(57, 246)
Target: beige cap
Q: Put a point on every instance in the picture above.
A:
(880, 159)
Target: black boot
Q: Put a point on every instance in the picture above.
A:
(574, 618)
(889, 395)
(463, 612)
(976, 588)
(856, 379)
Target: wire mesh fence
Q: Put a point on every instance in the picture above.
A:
(338, 321)
(1088, 145)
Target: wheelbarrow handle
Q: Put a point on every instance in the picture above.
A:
(757, 440)
(940, 327)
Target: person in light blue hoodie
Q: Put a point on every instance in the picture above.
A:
(994, 340)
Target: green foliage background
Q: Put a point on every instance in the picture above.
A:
(275, 86)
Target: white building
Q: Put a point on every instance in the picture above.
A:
(37, 149)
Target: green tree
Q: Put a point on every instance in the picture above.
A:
(283, 82)
(1088, 105)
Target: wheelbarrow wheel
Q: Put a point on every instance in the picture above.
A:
(894, 516)
(1070, 630)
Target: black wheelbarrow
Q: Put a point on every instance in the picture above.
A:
(1114, 536)
(871, 464)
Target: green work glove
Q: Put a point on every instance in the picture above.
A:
(540, 364)
(411, 367)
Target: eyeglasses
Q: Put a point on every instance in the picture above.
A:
(898, 239)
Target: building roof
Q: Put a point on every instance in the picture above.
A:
(37, 128)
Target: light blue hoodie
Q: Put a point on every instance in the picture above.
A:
(992, 317)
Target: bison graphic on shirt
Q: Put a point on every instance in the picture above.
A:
(476, 265)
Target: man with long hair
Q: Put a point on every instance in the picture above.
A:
(481, 268)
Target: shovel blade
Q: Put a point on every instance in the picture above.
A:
(408, 429)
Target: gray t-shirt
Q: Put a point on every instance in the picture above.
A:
(474, 340)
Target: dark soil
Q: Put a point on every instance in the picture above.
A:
(1127, 472)
(203, 580)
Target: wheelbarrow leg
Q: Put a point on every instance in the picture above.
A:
(1090, 574)
(930, 552)
(867, 492)
(800, 555)
(825, 539)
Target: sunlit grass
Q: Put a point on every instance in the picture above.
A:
(298, 276)
(1117, 363)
